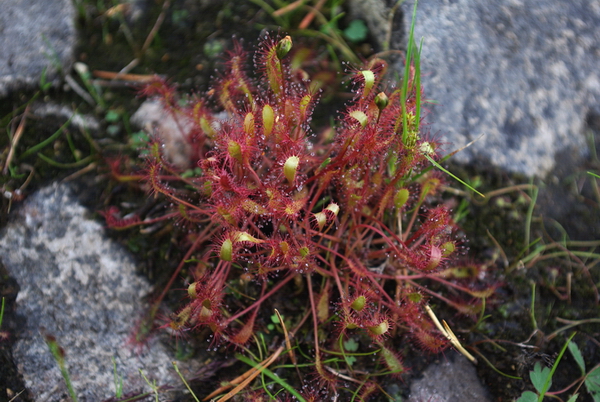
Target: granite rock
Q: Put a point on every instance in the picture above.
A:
(35, 36)
(519, 77)
(81, 288)
(452, 379)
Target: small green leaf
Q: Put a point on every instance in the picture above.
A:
(351, 345)
(139, 139)
(573, 398)
(356, 31)
(112, 116)
(350, 360)
(592, 383)
(528, 396)
(113, 130)
(539, 376)
(275, 319)
(577, 356)
(192, 173)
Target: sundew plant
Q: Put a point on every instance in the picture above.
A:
(342, 229)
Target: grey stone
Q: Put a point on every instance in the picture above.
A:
(82, 288)
(35, 35)
(54, 110)
(524, 74)
(453, 379)
(171, 129)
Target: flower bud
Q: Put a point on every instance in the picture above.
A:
(283, 47)
(381, 100)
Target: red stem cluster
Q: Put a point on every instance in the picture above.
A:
(271, 200)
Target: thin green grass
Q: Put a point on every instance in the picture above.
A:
(413, 57)
(440, 167)
(2, 312)
(409, 57)
(151, 384)
(117, 379)
(59, 356)
(184, 381)
(529, 216)
(38, 147)
(280, 381)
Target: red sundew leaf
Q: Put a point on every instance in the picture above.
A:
(114, 221)
(242, 337)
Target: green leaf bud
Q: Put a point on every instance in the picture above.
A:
(235, 150)
(401, 197)
(289, 168)
(321, 219)
(207, 128)
(304, 251)
(226, 253)
(448, 248)
(435, 257)
(360, 116)
(369, 77)
(192, 290)
(392, 361)
(380, 328)
(268, 117)
(359, 303)
(333, 207)
(284, 246)
(415, 297)
(249, 123)
(245, 237)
